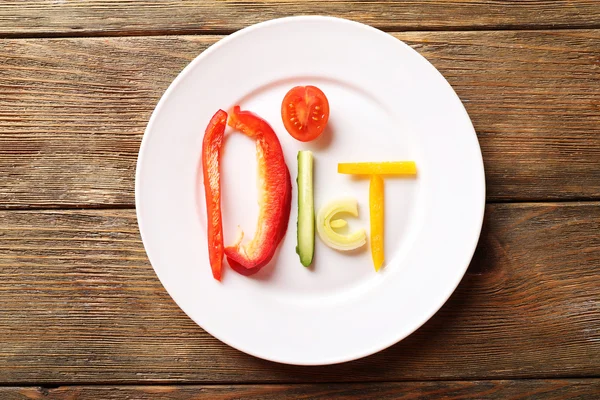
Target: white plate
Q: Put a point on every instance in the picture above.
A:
(387, 103)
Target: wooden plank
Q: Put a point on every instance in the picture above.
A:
(72, 111)
(495, 389)
(44, 17)
(79, 303)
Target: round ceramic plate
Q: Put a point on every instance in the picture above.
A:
(387, 103)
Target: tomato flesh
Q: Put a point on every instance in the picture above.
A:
(305, 112)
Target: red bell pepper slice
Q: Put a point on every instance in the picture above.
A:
(211, 155)
(275, 195)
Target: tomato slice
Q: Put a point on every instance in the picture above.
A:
(305, 112)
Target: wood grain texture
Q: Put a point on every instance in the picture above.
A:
(72, 111)
(500, 390)
(165, 16)
(79, 303)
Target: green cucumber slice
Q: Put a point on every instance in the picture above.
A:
(306, 208)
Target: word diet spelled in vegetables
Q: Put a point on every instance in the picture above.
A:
(305, 112)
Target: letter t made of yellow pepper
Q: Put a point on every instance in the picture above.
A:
(376, 196)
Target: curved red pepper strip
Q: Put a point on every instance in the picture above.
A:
(211, 155)
(275, 195)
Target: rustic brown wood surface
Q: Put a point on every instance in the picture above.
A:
(80, 303)
(72, 111)
(82, 312)
(499, 390)
(201, 16)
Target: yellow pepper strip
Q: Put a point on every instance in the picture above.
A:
(376, 206)
(379, 168)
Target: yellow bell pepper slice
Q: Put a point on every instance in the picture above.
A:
(379, 168)
(376, 206)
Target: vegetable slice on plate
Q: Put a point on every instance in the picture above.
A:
(275, 196)
(212, 145)
(275, 193)
(306, 208)
(305, 112)
(376, 208)
(334, 239)
(376, 196)
(379, 168)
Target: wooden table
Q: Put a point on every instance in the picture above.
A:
(82, 314)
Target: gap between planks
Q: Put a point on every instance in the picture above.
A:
(491, 389)
(57, 384)
(204, 32)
